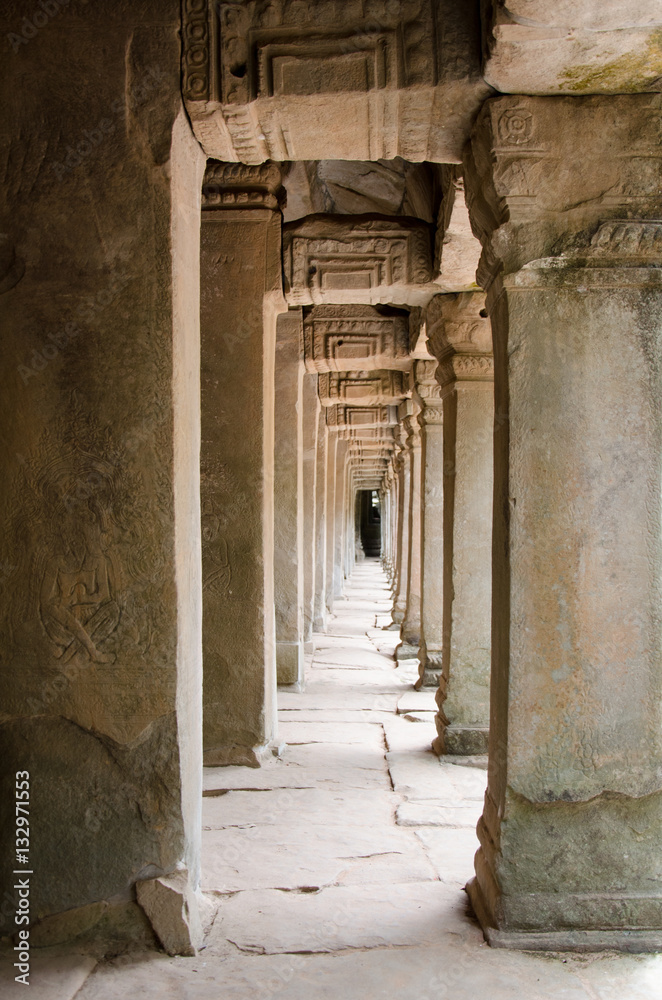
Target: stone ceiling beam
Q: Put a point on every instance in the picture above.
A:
(566, 47)
(293, 81)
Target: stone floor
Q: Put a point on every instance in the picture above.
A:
(339, 867)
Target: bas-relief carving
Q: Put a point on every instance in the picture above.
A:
(89, 601)
(341, 338)
(224, 505)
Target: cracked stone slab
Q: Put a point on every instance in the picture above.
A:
(315, 765)
(288, 857)
(402, 734)
(431, 813)
(343, 807)
(325, 697)
(462, 970)
(294, 733)
(353, 657)
(417, 701)
(451, 852)
(338, 918)
(55, 974)
(354, 717)
(419, 775)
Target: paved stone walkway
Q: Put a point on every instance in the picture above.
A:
(339, 867)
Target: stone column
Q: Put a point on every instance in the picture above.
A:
(402, 539)
(311, 410)
(100, 579)
(330, 507)
(241, 296)
(459, 334)
(340, 514)
(410, 631)
(288, 499)
(569, 851)
(430, 419)
(319, 602)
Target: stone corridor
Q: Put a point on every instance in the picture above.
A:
(338, 867)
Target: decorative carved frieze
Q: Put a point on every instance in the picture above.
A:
(466, 368)
(196, 56)
(362, 388)
(343, 338)
(289, 80)
(356, 259)
(236, 185)
(629, 238)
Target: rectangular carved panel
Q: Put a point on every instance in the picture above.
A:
(356, 259)
(347, 338)
(362, 388)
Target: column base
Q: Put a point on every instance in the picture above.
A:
(429, 669)
(289, 662)
(461, 741)
(406, 651)
(232, 755)
(636, 941)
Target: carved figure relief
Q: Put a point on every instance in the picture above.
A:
(217, 572)
(77, 604)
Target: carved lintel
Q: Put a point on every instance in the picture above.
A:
(237, 185)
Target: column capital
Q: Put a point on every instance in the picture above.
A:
(543, 174)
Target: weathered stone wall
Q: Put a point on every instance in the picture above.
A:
(100, 630)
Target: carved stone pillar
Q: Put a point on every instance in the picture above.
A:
(340, 507)
(410, 631)
(319, 601)
(330, 506)
(459, 335)
(402, 542)
(310, 410)
(570, 833)
(288, 499)
(241, 296)
(430, 419)
(100, 578)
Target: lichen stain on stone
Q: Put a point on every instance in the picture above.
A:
(629, 74)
